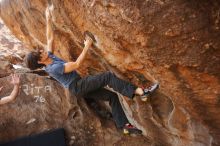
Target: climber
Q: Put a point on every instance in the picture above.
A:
(90, 86)
(15, 80)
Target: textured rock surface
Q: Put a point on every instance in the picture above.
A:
(173, 42)
(42, 104)
(12, 50)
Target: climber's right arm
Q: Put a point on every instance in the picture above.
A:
(50, 33)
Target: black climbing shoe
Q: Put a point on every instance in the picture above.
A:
(148, 91)
(130, 129)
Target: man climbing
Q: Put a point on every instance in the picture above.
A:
(15, 80)
(90, 86)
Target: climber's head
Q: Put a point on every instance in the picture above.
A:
(43, 56)
(36, 59)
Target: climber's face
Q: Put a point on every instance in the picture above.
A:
(43, 56)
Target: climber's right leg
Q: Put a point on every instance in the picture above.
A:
(92, 83)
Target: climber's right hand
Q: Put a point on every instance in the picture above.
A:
(47, 13)
(51, 8)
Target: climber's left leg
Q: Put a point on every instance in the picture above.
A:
(117, 111)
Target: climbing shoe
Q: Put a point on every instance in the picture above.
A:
(148, 91)
(130, 129)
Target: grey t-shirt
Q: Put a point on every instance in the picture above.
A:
(56, 70)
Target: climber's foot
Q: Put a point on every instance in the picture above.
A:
(130, 129)
(148, 91)
(89, 35)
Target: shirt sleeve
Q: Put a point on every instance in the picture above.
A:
(58, 68)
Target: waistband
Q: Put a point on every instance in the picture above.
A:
(72, 86)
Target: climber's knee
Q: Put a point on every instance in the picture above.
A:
(113, 98)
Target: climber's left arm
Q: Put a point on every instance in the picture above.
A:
(50, 33)
(71, 66)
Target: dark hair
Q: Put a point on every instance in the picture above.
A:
(31, 60)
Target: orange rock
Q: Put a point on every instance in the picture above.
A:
(185, 110)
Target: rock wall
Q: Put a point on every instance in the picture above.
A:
(43, 104)
(173, 42)
(9, 44)
(12, 50)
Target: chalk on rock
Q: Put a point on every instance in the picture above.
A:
(31, 121)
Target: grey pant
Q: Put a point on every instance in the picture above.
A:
(93, 87)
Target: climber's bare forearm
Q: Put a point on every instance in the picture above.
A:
(11, 97)
(50, 34)
(71, 66)
(82, 56)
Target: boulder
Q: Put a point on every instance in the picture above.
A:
(173, 42)
(43, 104)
